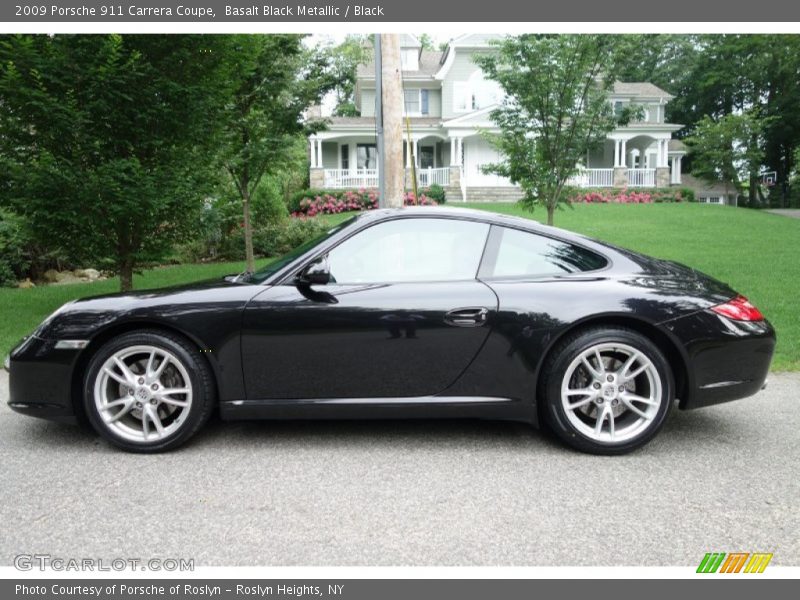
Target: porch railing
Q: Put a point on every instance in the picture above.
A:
(347, 178)
(431, 176)
(588, 178)
(642, 177)
(368, 178)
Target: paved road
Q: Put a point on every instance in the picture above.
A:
(410, 493)
(786, 212)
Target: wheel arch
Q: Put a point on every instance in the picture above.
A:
(117, 329)
(676, 358)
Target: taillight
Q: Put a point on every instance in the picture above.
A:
(739, 309)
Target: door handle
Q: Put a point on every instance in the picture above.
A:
(467, 317)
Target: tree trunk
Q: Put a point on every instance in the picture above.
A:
(551, 209)
(248, 232)
(126, 274)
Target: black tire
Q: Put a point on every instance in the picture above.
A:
(562, 358)
(189, 419)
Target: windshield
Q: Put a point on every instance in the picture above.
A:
(276, 265)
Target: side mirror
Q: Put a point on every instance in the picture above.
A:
(315, 273)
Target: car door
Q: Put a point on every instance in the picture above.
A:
(403, 316)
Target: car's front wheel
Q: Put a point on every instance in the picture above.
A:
(608, 390)
(148, 391)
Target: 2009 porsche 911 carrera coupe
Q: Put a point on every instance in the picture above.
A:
(415, 312)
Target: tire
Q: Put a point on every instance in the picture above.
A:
(148, 391)
(630, 395)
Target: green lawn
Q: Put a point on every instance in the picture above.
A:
(755, 252)
(23, 310)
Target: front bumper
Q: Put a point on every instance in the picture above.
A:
(727, 360)
(40, 380)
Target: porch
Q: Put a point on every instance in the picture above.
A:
(368, 178)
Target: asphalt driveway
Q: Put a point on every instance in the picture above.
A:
(410, 493)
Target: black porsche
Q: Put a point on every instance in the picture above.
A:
(416, 312)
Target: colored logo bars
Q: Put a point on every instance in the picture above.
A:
(734, 562)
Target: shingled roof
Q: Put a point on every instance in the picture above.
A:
(429, 64)
(640, 88)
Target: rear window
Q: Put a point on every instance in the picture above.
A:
(517, 253)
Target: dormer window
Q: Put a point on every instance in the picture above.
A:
(409, 59)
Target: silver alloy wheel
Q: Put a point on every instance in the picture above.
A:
(611, 392)
(143, 393)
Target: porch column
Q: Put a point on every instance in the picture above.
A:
(312, 153)
(453, 152)
(662, 158)
(675, 170)
(460, 151)
(319, 152)
(416, 153)
(623, 154)
(408, 154)
(616, 152)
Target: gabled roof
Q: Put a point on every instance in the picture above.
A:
(677, 146)
(639, 88)
(476, 117)
(428, 65)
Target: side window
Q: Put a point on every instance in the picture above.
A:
(524, 254)
(410, 250)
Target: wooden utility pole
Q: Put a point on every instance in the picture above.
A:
(392, 112)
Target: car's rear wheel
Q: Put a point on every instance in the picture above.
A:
(148, 391)
(607, 390)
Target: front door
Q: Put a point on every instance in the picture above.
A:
(403, 317)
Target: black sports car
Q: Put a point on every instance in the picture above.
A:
(415, 312)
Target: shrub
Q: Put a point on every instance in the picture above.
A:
(321, 202)
(435, 192)
(629, 195)
(280, 237)
(15, 242)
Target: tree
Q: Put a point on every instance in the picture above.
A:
(106, 140)
(426, 41)
(724, 149)
(556, 108)
(277, 80)
(344, 60)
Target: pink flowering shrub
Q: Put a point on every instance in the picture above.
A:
(327, 203)
(629, 195)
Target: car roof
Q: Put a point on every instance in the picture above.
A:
(473, 214)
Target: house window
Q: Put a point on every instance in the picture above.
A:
(424, 104)
(462, 98)
(345, 156)
(412, 101)
(367, 155)
(618, 106)
(409, 59)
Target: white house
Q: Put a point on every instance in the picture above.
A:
(448, 102)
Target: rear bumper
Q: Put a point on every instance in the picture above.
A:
(727, 360)
(40, 380)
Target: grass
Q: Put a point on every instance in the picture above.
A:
(23, 309)
(754, 252)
